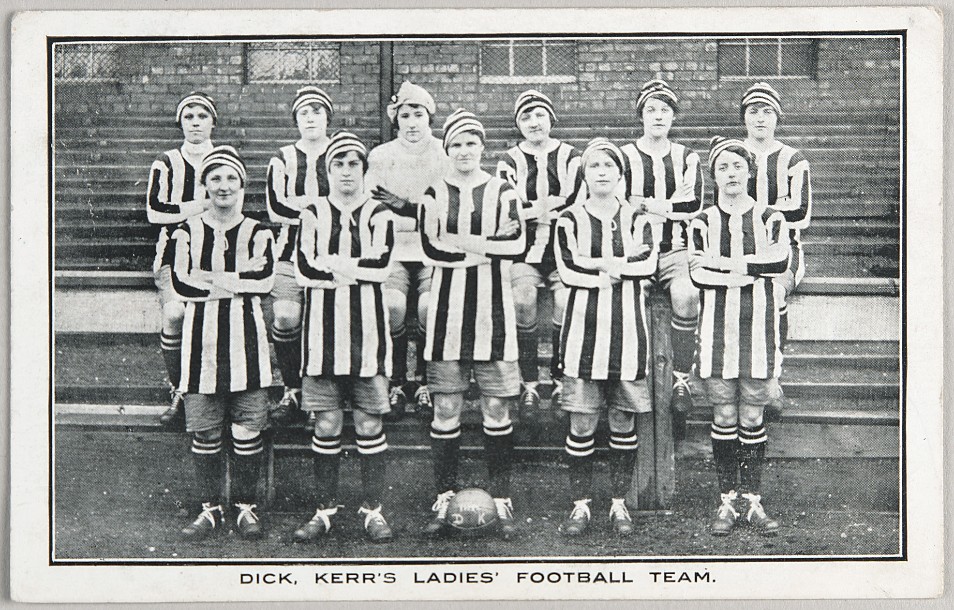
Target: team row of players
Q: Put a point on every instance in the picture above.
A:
(487, 242)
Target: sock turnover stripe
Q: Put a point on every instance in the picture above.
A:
(502, 430)
(368, 445)
(445, 434)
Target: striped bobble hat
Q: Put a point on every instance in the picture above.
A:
(461, 121)
(222, 155)
(718, 145)
(602, 144)
(342, 143)
(761, 93)
(312, 95)
(656, 88)
(196, 98)
(531, 98)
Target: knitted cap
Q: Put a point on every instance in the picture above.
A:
(761, 93)
(342, 143)
(531, 98)
(460, 122)
(409, 93)
(222, 155)
(602, 144)
(195, 98)
(658, 89)
(718, 145)
(312, 95)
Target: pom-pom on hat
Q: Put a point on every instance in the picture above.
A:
(718, 145)
(604, 145)
(312, 95)
(222, 155)
(531, 98)
(658, 89)
(196, 98)
(461, 121)
(342, 143)
(761, 93)
(409, 93)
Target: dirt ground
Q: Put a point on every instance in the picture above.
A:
(126, 495)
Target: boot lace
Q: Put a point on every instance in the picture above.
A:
(324, 515)
(504, 508)
(755, 506)
(440, 505)
(680, 383)
(247, 512)
(618, 510)
(581, 510)
(207, 514)
(727, 506)
(372, 515)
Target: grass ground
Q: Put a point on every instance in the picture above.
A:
(125, 495)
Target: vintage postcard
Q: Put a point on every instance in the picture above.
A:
(476, 304)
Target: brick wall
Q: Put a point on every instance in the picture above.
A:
(852, 73)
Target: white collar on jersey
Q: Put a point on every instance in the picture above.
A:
(552, 146)
(741, 206)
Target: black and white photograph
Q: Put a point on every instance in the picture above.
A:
(476, 304)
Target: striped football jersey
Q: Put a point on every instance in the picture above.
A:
(224, 339)
(345, 317)
(536, 177)
(782, 183)
(471, 314)
(605, 332)
(739, 322)
(662, 177)
(173, 186)
(294, 180)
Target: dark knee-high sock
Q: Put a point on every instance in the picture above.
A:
(556, 371)
(373, 452)
(172, 355)
(683, 343)
(579, 457)
(327, 464)
(445, 451)
(399, 358)
(420, 370)
(622, 460)
(498, 449)
(246, 468)
(209, 465)
(725, 440)
(752, 443)
(527, 349)
(288, 354)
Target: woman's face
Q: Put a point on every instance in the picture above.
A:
(731, 173)
(197, 123)
(413, 123)
(312, 121)
(223, 185)
(601, 174)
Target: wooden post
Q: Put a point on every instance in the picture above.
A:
(654, 478)
(386, 87)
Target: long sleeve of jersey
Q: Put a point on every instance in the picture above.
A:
(309, 270)
(701, 275)
(514, 245)
(373, 267)
(259, 281)
(797, 208)
(693, 179)
(436, 253)
(281, 208)
(185, 282)
(573, 270)
(639, 267)
(162, 207)
(773, 259)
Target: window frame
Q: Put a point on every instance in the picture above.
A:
(111, 48)
(498, 79)
(310, 45)
(780, 42)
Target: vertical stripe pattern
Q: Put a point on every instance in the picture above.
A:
(225, 341)
(294, 180)
(172, 182)
(605, 332)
